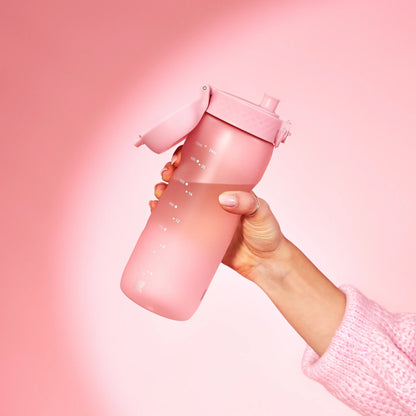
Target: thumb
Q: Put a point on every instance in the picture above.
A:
(243, 203)
(261, 231)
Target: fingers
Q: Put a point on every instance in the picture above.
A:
(152, 205)
(166, 174)
(170, 167)
(176, 157)
(159, 189)
(244, 203)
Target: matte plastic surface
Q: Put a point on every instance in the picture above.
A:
(258, 120)
(188, 233)
(173, 128)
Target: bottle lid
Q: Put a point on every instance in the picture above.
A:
(259, 120)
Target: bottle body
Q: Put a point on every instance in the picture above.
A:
(188, 233)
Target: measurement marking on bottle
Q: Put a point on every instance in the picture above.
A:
(198, 144)
(188, 192)
(173, 205)
(177, 220)
(162, 227)
(162, 245)
(199, 162)
(153, 251)
(139, 285)
(211, 150)
(182, 181)
(205, 145)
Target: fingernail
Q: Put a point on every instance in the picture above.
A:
(228, 200)
(174, 159)
(163, 170)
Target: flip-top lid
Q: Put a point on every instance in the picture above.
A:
(259, 120)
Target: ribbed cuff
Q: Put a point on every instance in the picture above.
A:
(368, 364)
(344, 359)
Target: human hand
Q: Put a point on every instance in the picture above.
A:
(257, 241)
(259, 251)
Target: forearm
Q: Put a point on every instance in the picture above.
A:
(309, 301)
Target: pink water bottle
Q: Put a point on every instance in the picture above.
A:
(229, 143)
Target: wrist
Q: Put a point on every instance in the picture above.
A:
(272, 272)
(308, 300)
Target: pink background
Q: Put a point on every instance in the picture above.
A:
(78, 81)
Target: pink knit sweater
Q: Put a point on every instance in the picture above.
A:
(370, 364)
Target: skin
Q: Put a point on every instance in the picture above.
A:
(260, 252)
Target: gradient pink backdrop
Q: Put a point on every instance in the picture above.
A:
(78, 81)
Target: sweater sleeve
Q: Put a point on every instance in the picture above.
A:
(370, 364)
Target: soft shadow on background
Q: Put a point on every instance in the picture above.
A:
(79, 81)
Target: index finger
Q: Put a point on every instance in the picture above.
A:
(176, 157)
(171, 166)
